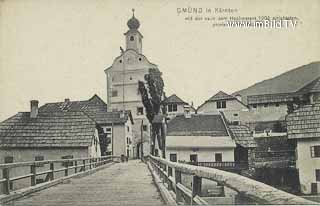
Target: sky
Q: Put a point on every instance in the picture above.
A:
(52, 50)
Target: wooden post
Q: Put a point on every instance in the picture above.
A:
(66, 170)
(84, 165)
(90, 163)
(6, 184)
(34, 173)
(178, 180)
(196, 187)
(52, 171)
(75, 166)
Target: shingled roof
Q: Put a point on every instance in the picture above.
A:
(174, 99)
(95, 108)
(304, 122)
(242, 136)
(94, 104)
(221, 96)
(49, 129)
(197, 124)
(289, 82)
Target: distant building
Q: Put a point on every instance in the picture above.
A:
(116, 136)
(270, 100)
(304, 127)
(199, 138)
(231, 106)
(175, 106)
(122, 84)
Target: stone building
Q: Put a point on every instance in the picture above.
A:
(36, 135)
(303, 127)
(175, 106)
(233, 109)
(116, 135)
(122, 84)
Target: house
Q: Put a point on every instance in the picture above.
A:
(270, 100)
(175, 105)
(231, 106)
(199, 138)
(122, 84)
(303, 127)
(116, 136)
(35, 135)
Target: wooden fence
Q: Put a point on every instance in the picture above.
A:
(78, 165)
(170, 173)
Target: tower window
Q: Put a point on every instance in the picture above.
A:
(140, 59)
(131, 38)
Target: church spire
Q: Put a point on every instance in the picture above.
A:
(133, 36)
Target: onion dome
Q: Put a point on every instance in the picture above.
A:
(133, 23)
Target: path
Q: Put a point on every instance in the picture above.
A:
(120, 184)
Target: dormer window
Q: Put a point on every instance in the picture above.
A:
(172, 108)
(221, 104)
(131, 38)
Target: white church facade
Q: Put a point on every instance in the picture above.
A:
(122, 85)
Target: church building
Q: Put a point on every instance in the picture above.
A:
(122, 85)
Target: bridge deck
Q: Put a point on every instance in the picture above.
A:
(121, 184)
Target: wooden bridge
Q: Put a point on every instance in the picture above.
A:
(105, 181)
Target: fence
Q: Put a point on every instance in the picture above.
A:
(65, 165)
(257, 192)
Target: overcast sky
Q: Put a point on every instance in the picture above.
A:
(51, 50)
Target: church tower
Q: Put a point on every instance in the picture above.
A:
(133, 36)
(123, 76)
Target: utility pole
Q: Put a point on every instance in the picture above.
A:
(141, 147)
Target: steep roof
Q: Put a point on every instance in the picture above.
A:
(242, 136)
(95, 108)
(304, 122)
(221, 96)
(288, 82)
(197, 125)
(94, 104)
(174, 99)
(49, 129)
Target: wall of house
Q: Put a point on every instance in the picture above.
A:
(204, 155)
(306, 164)
(231, 105)
(94, 148)
(29, 154)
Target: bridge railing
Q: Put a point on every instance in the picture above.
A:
(171, 172)
(66, 166)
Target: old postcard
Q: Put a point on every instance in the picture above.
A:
(107, 102)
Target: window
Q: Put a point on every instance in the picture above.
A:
(221, 104)
(218, 157)
(315, 151)
(120, 61)
(65, 164)
(8, 159)
(277, 104)
(131, 38)
(140, 111)
(128, 140)
(173, 157)
(265, 105)
(140, 59)
(156, 152)
(128, 128)
(114, 93)
(318, 175)
(254, 105)
(145, 128)
(193, 158)
(172, 107)
(235, 115)
(130, 78)
(39, 158)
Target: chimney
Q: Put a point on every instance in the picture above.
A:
(34, 108)
(187, 113)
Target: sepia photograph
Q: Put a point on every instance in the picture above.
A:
(182, 102)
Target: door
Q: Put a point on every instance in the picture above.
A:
(173, 157)
(314, 188)
(193, 158)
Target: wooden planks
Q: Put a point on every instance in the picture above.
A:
(121, 184)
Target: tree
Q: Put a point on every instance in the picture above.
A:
(152, 97)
